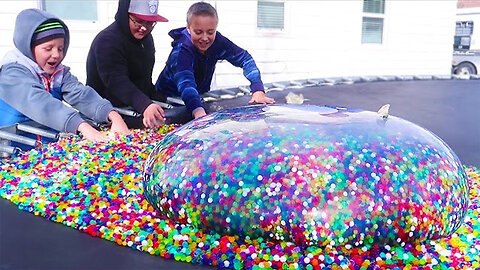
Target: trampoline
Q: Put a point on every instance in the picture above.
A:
(449, 108)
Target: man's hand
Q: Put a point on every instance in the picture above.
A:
(259, 97)
(153, 116)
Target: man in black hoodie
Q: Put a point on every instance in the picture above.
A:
(120, 62)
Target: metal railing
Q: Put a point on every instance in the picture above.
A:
(14, 138)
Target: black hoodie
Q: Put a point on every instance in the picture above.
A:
(119, 67)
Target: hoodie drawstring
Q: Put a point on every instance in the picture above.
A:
(47, 82)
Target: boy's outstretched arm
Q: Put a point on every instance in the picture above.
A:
(241, 58)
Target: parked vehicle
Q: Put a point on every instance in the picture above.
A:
(466, 45)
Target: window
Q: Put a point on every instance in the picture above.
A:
(85, 10)
(463, 32)
(270, 15)
(374, 6)
(372, 21)
(464, 28)
(372, 30)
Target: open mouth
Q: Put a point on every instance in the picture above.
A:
(204, 45)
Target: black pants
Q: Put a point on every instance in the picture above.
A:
(133, 122)
(177, 115)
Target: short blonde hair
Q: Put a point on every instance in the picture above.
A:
(201, 9)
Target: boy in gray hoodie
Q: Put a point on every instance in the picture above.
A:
(33, 82)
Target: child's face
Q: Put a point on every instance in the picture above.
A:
(49, 54)
(139, 28)
(203, 30)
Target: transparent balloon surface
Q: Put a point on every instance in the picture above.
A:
(310, 175)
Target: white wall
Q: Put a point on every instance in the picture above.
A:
(320, 39)
(8, 13)
(323, 39)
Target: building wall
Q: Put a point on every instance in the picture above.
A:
(323, 39)
(320, 39)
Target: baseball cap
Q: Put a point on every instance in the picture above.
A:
(146, 10)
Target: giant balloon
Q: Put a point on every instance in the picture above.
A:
(309, 175)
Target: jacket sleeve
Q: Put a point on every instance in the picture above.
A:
(83, 98)
(241, 58)
(112, 68)
(185, 80)
(20, 89)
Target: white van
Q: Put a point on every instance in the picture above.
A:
(466, 45)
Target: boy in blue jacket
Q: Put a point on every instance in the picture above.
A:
(33, 82)
(196, 50)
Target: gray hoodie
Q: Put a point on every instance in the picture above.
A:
(23, 93)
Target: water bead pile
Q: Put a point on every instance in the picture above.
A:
(310, 175)
(97, 189)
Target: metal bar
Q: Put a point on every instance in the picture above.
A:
(446, 77)
(7, 149)
(366, 79)
(127, 112)
(175, 101)
(295, 83)
(37, 131)
(332, 81)
(18, 138)
(244, 89)
(163, 104)
(312, 81)
(228, 92)
(278, 85)
(347, 82)
(212, 95)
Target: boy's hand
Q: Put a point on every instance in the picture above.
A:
(118, 125)
(153, 116)
(259, 97)
(199, 112)
(91, 134)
